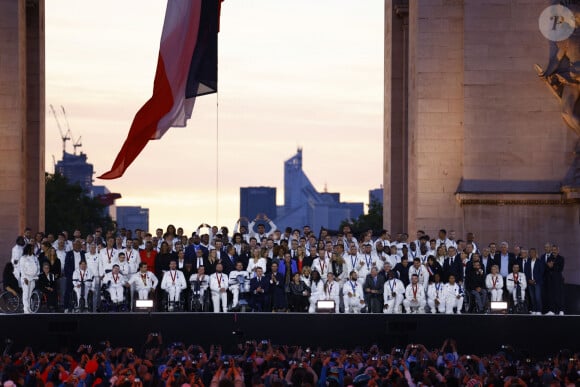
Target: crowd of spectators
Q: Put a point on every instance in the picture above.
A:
(265, 364)
(267, 269)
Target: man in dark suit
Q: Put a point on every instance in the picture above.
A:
(229, 259)
(199, 259)
(547, 252)
(374, 287)
(245, 254)
(191, 249)
(48, 286)
(401, 270)
(534, 270)
(452, 265)
(505, 260)
(259, 289)
(277, 288)
(475, 283)
(71, 263)
(554, 282)
(487, 260)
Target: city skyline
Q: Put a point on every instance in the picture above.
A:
(313, 78)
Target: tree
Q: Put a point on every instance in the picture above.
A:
(69, 208)
(371, 221)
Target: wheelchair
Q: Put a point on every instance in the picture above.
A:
(10, 303)
(79, 306)
(173, 306)
(106, 304)
(244, 296)
(519, 306)
(470, 306)
(135, 296)
(197, 301)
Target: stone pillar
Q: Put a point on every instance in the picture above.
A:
(21, 120)
(435, 114)
(395, 151)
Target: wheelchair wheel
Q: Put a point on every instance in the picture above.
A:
(520, 308)
(123, 307)
(35, 301)
(89, 305)
(104, 304)
(196, 305)
(9, 303)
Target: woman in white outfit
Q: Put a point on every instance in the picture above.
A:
(316, 290)
(29, 271)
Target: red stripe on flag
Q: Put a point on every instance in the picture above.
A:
(144, 124)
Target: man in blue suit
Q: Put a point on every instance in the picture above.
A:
(277, 289)
(534, 271)
(229, 259)
(259, 286)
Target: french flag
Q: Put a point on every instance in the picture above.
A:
(186, 68)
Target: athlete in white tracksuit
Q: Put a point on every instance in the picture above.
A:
(321, 265)
(421, 272)
(453, 293)
(144, 281)
(218, 285)
(81, 276)
(514, 279)
(352, 294)
(494, 284)
(107, 258)
(93, 261)
(316, 290)
(125, 267)
(394, 294)
(354, 261)
(435, 298)
(173, 283)
(415, 296)
(200, 281)
(234, 282)
(29, 271)
(332, 291)
(116, 284)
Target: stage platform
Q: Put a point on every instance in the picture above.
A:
(532, 335)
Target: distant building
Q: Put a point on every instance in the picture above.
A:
(100, 191)
(76, 169)
(133, 217)
(257, 200)
(304, 205)
(376, 195)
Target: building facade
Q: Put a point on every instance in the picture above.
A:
(132, 217)
(474, 140)
(257, 200)
(76, 169)
(376, 195)
(304, 205)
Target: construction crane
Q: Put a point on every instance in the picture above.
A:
(76, 143)
(64, 137)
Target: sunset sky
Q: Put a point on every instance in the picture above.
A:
(291, 73)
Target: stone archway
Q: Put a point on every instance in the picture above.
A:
(22, 103)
